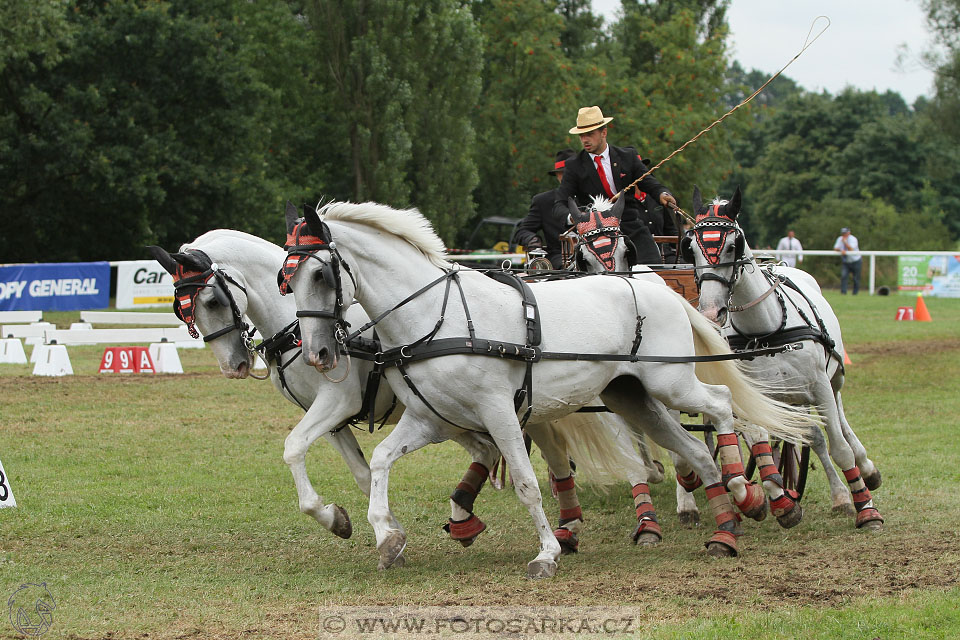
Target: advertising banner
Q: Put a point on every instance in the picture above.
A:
(143, 283)
(937, 276)
(65, 286)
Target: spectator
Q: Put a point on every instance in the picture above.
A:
(541, 218)
(849, 249)
(790, 243)
(604, 170)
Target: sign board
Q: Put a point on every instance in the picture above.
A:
(937, 276)
(66, 286)
(127, 360)
(6, 493)
(143, 283)
(904, 313)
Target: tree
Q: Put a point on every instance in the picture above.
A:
(403, 79)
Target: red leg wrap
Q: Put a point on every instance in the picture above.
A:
(689, 482)
(755, 504)
(466, 529)
(868, 515)
(647, 525)
(725, 538)
(783, 505)
(569, 543)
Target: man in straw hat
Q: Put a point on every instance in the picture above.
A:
(603, 170)
(541, 217)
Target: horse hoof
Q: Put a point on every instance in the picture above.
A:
(845, 509)
(399, 562)
(569, 543)
(538, 569)
(391, 549)
(717, 550)
(870, 519)
(722, 544)
(647, 539)
(791, 518)
(689, 519)
(873, 480)
(341, 523)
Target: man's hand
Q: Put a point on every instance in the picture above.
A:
(668, 200)
(535, 243)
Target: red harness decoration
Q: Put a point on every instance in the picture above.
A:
(602, 237)
(302, 239)
(712, 238)
(189, 283)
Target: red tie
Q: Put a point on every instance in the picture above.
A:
(603, 176)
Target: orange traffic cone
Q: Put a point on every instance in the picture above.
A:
(921, 314)
(846, 358)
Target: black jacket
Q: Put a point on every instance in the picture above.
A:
(541, 217)
(581, 181)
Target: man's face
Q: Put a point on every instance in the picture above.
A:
(790, 234)
(594, 141)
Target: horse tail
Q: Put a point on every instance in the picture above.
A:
(752, 405)
(590, 439)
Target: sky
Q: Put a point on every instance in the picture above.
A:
(859, 48)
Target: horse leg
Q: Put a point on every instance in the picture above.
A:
(840, 452)
(871, 475)
(410, 434)
(622, 396)
(783, 503)
(748, 496)
(687, 481)
(298, 441)
(464, 526)
(570, 525)
(503, 425)
(650, 454)
(839, 494)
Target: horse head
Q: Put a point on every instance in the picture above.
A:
(717, 248)
(208, 298)
(602, 247)
(312, 272)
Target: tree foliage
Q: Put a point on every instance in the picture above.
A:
(132, 122)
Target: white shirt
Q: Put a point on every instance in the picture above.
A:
(607, 169)
(788, 243)
(851, 245)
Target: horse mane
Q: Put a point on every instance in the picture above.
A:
(408, 224)
(216, 235)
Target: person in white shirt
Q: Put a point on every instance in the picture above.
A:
(790, 243)
(849, 249)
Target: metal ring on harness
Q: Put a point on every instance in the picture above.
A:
(405, 355)
(344, 375)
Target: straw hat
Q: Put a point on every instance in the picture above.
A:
(588, 119)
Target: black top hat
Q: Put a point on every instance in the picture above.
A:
(562, 156)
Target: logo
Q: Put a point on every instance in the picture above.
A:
(31, 609)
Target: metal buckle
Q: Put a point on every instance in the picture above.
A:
(405, 355)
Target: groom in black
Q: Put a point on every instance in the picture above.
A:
(602, 169)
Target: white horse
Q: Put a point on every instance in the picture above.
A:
(776, 305)
(395, 267)
(243, 284)
(603, 249)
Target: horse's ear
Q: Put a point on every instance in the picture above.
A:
(165, 259)
(733, 208)
(314, 223)
(192, 261)
(290, 213)
(617, 211)
(575, 215)
(697, 200)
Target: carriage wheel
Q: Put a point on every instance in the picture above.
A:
(792, 463)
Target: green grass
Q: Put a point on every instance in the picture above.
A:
(160, 507)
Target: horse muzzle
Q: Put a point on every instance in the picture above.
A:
(323, 359)
(715, 314)
(239, 372)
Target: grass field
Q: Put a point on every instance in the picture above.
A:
(160, 507)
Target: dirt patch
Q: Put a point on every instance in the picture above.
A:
(905, 348)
